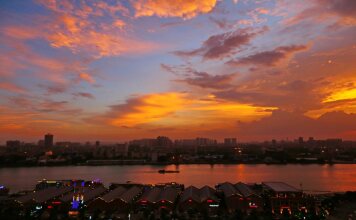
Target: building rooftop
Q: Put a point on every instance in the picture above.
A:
(151, 195)
(88, 192)
(280, 187)
(206, 193)
(113, 194)
(130, 194)
(229, 189)
(91, 194)
(244, 189)
(168, 194)
(192, 193)
(44, 195)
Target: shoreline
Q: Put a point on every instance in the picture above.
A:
(129, 163)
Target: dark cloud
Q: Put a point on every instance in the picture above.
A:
(269, 58)
(293, 95)
(341, 7)
(205, 80)
(84, 95)
(51, 106)
(36, 104)
(221, 23)
(172, 24)
(222, 45)
(54, 89)
(343, 10)
(282, 124)
(168, 68)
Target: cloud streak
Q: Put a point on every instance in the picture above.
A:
(206, 81)
(270, 58)
(223, 45)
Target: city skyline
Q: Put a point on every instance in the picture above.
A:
(49, 140)
(122, 70)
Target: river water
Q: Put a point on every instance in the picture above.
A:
(338, 177)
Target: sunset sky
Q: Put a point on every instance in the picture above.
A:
(115, 70)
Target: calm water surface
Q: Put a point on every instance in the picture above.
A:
(339, 177)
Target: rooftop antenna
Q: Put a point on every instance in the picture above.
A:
(301, 186)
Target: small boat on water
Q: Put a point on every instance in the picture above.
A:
(168, 171)
(3, 190)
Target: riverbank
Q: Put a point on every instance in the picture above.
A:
(143, 162)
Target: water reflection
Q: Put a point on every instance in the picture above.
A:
(338, 177)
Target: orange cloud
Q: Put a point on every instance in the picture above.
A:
(86, 77)
(78, 28)
(119, 23)
(182, 110)
(336, 99)
(177, 8)
(12, 87)
(148, 108)
(24, 123)
(342, 95)
(341, 12)
(282, 124)
(263, 11)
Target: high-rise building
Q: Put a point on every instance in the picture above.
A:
(13, 143)
(164, 141)
(205, 141)
(48, 140)
(301, 140)
(232, 142)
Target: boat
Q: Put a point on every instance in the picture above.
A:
(3, 190)
(168, 171)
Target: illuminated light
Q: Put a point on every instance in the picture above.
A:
(50, 207)
(163, 207)
(214, 205)
(190, 200)
(39, 207)
(287, 208)
(2, 187)
(163, 201)
(252, 205)
(303, 208)
(143, 201)
(209, 201)
(56, 202)
(73, 213)
(241, 199)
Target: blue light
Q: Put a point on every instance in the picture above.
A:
(2, 187)
(75, 204)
